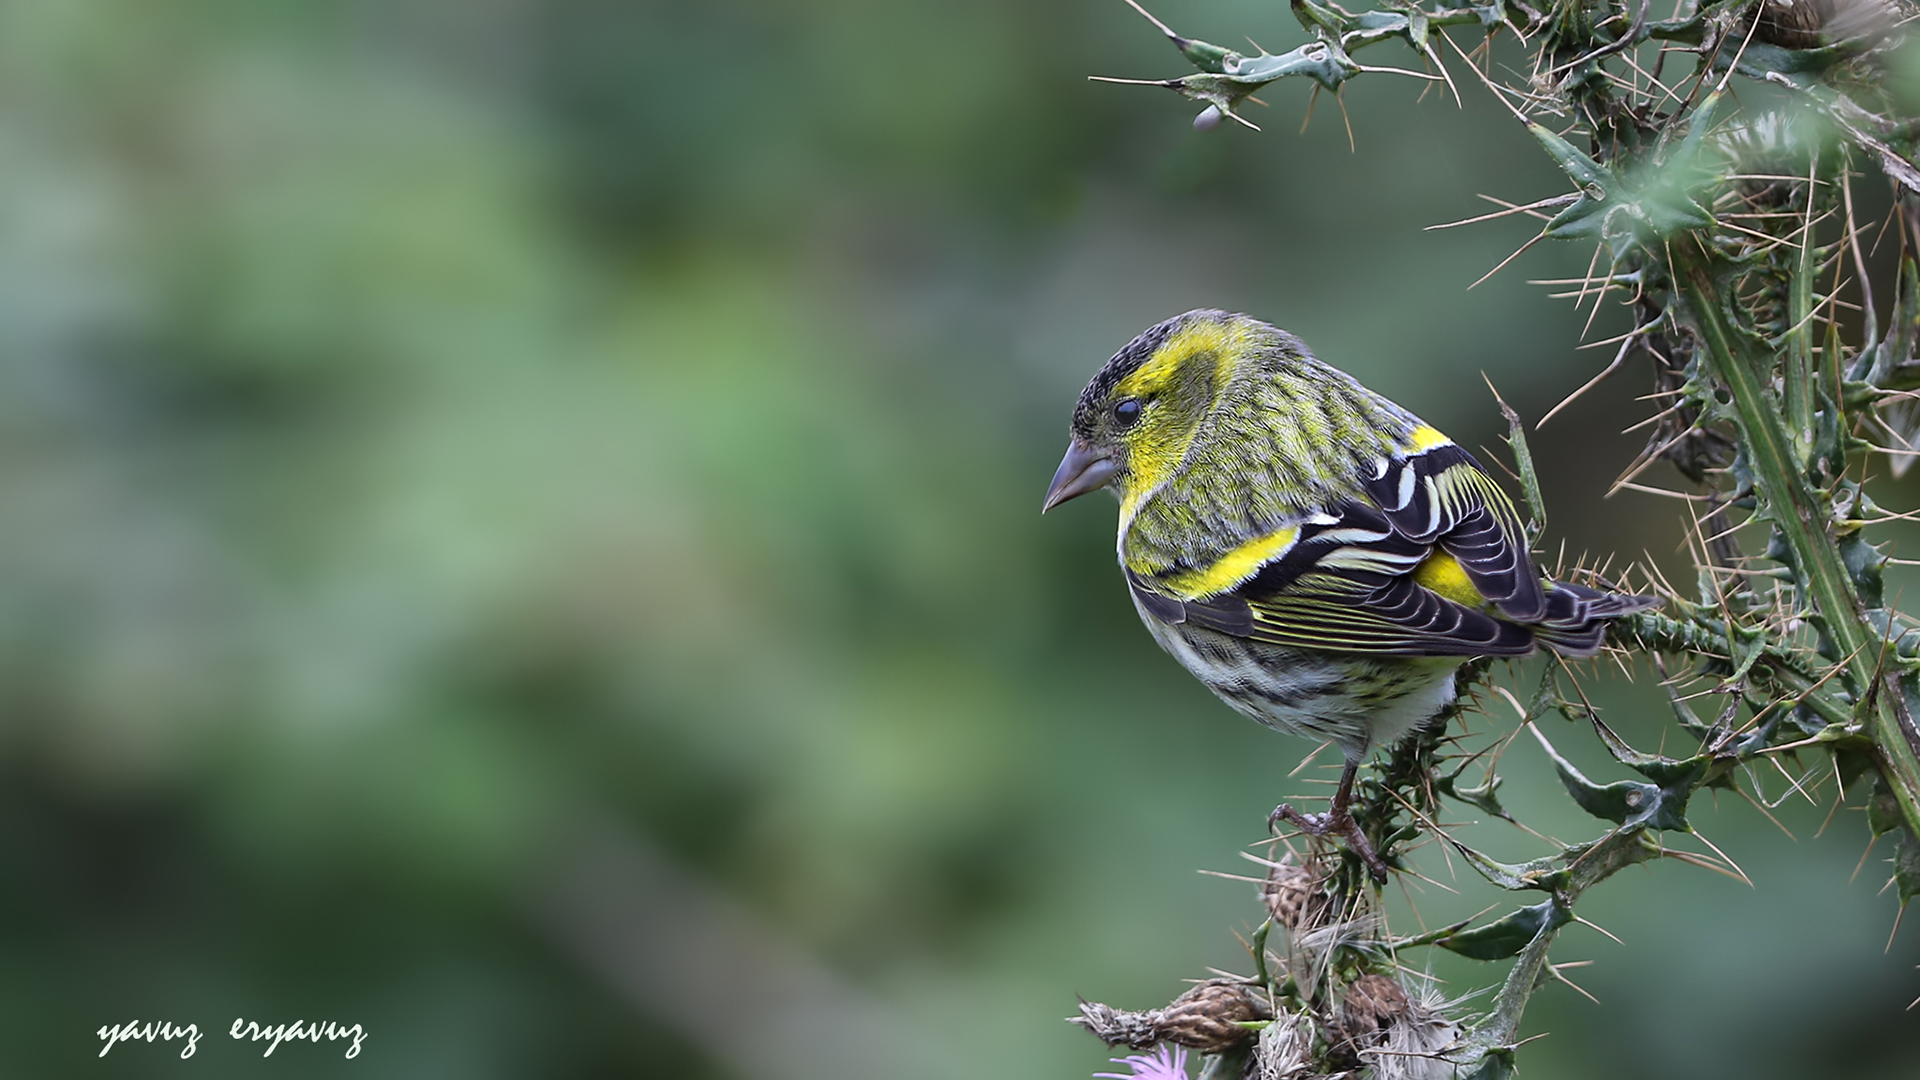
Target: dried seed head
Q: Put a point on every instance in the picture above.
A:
(1401, 1036)
(1206, 1018)
(1377, 998)
(1371, 1005)
(1416, 1040)
(1118, 1027)
(1293, 894)
(1285, 1050)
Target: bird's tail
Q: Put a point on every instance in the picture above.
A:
(1575, 622)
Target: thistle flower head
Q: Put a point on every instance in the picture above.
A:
(1165, 1063)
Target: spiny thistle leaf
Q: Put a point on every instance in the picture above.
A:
(1507, 935)
(1481, 795)
(1906, 866)
(1664, 771)
(1628, 802)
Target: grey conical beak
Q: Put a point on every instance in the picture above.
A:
(1084, 469)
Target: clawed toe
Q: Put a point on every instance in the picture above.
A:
(1311, 824)
(1341, 824)
(1335, 820)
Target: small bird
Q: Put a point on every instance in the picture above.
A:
(1317, 556)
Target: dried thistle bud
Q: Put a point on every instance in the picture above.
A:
(1285, 1051)
(1371, 1005)
(1809, 24)
(1293, 895)
(1401, 1037)
(1375, 1000)
(1207, 1018)
(1418, 1041)
(1119, 1027)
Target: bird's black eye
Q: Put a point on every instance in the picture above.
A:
(1126, 412)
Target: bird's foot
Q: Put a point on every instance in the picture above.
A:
(1337, 823)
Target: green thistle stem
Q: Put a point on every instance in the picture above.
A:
(1800, 516)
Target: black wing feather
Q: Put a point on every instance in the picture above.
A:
(1443, 496)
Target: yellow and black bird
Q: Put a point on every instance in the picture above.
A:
(1317, 556)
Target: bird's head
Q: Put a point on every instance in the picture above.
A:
(1139, 416)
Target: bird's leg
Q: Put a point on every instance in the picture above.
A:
(1338, 820)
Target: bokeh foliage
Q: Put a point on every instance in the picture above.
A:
(436, 431)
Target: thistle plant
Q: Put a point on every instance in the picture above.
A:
(1780, 386)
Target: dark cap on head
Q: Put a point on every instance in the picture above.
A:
(1093, 400)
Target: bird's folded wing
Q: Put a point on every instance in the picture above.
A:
(1397, 617)
(1345, 580)
(1441, 495)
(1343, 613)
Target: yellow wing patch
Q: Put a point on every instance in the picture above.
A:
(1443, 574)
(1426, 437)
(1233, 568)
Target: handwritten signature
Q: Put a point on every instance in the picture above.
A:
(242, 1029)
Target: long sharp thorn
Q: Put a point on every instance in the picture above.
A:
(1857, 867)
(1511, 209)
(1498, 90)
(1232, 877)
(1702, 862)
(1597, 926)
(1585, 283)
(1619, 358)
(1555, 969)
(1723, 855)
(1164, 28)
(1871, 319)
(1305, 761)
(1769, 816)
(1441, 64)
(1503, 262)
(1839, 798)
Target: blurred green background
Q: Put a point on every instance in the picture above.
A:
(522, 534)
